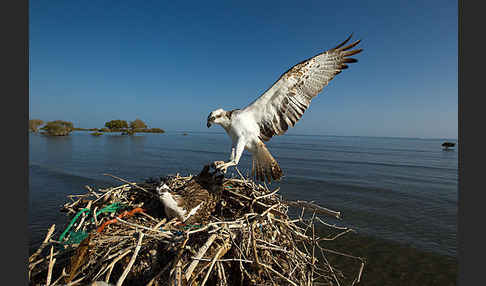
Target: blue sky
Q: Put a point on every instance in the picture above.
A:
(170, 64)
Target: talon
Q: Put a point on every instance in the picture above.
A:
(216, 164)
(223, 169)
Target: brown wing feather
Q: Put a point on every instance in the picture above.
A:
(285, 102)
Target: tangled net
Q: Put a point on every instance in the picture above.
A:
(123, 237)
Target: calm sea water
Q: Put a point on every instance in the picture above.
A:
(399, 189)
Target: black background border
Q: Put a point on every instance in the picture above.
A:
(15, 87)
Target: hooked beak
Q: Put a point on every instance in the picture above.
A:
(210, 120)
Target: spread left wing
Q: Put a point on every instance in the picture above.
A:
(283, 104)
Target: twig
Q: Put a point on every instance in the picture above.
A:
(44, 243)
(218, 254)
(112, 265)
(137, 226)
(316, 208)
(132, 260)
(278, 274)
(63, 274)
(88, 206)
(133, 184)
(360, 272)
(199, 255)
(51, 265)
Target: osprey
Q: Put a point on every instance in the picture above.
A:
(281, 106)
(195, 200)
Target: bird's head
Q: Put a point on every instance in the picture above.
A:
(219, 116)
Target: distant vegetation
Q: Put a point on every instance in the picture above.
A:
(116, 125)
(34, 124)
(152, 130)
(136, 126)
(64, 128)
(58, 128)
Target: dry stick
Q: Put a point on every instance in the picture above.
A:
(259, 203)
(178, 278)
(220, 275)
(177, 260)
(269, 194)
(269, 209)
(76, 282)
(276, 272)
(94, 215)
(44, 243)
(257, 261)
(220, 250)
(159, 224)
(331, 225)
(242, 177)
(316, 208)
(63, 274)
(200, 229)
(329, 265)
(149, 216)
(313, 249)
(110, 191)
(225, 260)
(223, 273)
(32, 265)
(84, 216)
(199, 255)
(112, 265)
(51, 265)
(358, 279)
(118, 253)
(336, 236)
(132, 260)
(91, 191)
(133, 184)
(340, 253)
(137, 226)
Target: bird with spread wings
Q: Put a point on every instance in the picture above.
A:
(279, 108)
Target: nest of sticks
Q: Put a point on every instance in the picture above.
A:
(248, 239)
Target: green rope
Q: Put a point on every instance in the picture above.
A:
(72, 222)
(189, 226)
(76, 237)
(114, 207)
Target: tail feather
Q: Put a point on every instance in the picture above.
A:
(264, 166)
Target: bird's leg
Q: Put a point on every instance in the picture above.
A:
(217, 164)
(233, 152)
(236, 153)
